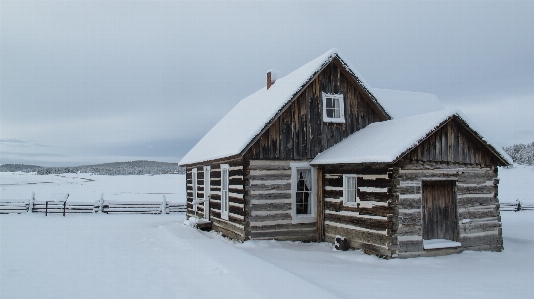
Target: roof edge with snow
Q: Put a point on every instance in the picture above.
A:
(278, 98)
(420, 127)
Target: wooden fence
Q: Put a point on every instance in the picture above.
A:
(73, 207)
(516, 207)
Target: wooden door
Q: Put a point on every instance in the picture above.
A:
(440, 220)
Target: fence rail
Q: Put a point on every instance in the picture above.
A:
(18, 206)
(515, 207)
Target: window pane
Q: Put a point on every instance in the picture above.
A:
(350, 196)
(194, 186)
(224, 190)
(225, 179)
(224, 202)
(330, 113)
(350, 189)
(329, 103)
(336, 113)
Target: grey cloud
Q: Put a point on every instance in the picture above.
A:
(172, 69)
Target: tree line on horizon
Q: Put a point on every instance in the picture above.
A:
(520, 154)
(140, 167)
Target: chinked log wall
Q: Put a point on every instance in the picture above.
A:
(234, 226)
(478, 206)
(367, 226)
(300, 133)
(268, 189)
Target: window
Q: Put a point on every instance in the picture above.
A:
(303, 193)
(350, 190)
(224, 191)
(207, 192)
(333, 108)
(194, 181)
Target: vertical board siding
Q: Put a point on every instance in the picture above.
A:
(451, 143)
(234, 227)
(366, 226)
(440, 219)
(300, 133)
(268, 204)
(478, 215)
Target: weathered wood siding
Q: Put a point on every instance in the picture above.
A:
(451, 143)
(479, 222)
(300, 133)
(369, 225)
(234, 226)
(268, 203)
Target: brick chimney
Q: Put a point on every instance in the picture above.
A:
(272, 76)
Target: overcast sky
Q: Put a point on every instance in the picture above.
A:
(99, 81)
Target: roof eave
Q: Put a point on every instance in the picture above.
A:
(212, 161)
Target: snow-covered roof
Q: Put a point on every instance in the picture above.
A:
(388, 141)
(246, 120)
(399, 104)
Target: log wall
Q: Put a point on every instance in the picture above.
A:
(367, 226)
(479, 222)
(300, 133)
(268, 203)
(234, 226)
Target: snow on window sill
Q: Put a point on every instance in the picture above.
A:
(304, 219)
(351, 204)
(334, 120)
(440, 243)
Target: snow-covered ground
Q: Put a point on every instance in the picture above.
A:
(156, 256)
(517, 183)
(88, 187)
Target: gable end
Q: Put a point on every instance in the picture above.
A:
(454, 141)
(299, 130)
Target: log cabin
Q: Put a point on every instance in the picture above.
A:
(318, 156)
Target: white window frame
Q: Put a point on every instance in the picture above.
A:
(356, 201)
(225, 194)
(303, 218)
(207, 191)
(341, 118)
(194, 179)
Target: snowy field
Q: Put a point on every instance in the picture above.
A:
(156, 256)
(88, 187)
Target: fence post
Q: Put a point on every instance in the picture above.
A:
(46, 208)
(32, 199)
(164, 205)
(101, 202)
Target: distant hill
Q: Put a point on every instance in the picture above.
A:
(140, 167)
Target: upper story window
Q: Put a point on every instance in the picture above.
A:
(333, 108)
